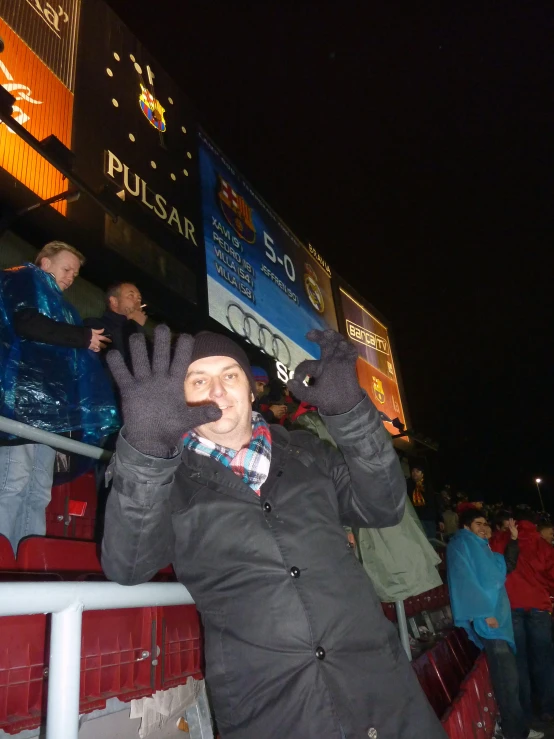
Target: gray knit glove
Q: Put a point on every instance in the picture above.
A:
(155, 413)
(335, 387)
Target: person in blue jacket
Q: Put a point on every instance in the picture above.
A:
(476, 580)
(50, 378)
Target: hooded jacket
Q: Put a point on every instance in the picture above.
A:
(531, 584)
(296, 643)
(476, 581)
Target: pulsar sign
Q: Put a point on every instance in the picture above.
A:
(136, 187)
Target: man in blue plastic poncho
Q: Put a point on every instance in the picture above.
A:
(476, 580)
(50, 378)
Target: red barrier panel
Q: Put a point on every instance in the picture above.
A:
(181, 645)
(116, 655)
(125, 653)
(23, 650)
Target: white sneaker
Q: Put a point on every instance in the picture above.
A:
(531, 735)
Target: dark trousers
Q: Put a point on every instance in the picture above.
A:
(535, 659)
(505, 683)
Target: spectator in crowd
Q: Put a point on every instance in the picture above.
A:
(546, 530)
(450, 521)
(251, 517)
(529, 589)
(272, 412)
(476, 580)
(51, 378)
(423, 500)
(488, 531)
(123, 317)
(502, 521)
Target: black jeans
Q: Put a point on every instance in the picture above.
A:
(535, 659)
(505, 683)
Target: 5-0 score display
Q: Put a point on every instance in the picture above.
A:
(262, 282)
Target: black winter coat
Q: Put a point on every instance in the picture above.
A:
(296, 643)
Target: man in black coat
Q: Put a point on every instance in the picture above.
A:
(122, 318)
(251, 516)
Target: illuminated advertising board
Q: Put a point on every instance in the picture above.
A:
(49, 29)
(37, 67)
(262, 282)
(376, 368)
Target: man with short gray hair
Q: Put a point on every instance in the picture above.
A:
(123, 317)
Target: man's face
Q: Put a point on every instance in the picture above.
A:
(260, 389)
(222, 381)
(504, 525)
(417, 474)
(63, 266)
(548, 534)
(128, 301)
(479, 527)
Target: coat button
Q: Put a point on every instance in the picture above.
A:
(294, 572)
(372, 733)
(267, 507)
(320, 653)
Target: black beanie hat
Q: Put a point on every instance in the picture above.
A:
(209, 344)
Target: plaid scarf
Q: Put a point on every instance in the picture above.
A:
(251, 463)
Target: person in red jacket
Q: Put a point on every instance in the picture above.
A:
(529, 589)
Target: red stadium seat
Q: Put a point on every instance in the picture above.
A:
(71, 512)
(471, 718)
(68, 558)
(458, 653)
(450, 673)
(7, 557)
(431, 684)
(452, 720)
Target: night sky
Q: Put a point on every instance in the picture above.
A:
(414, 148)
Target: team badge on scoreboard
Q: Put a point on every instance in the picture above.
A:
(152, 108)
(313, 290)
(378, 390)
(237, 212)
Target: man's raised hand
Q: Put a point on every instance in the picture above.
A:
(155, 413)
(335, 387)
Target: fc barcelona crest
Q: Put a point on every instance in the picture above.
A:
(237, 212)
(378, 389)
(152, 109)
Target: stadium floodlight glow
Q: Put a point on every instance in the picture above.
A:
(538, 479)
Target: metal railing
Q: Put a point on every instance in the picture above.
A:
(66, 601)
(38, 436)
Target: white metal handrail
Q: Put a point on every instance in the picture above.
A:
(66, 601)
(24, 431)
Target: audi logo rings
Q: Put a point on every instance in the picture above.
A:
(258, 334)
